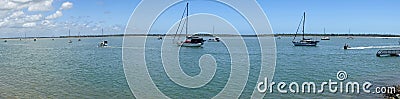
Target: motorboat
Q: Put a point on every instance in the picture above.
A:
(103, 43)
(216, 39)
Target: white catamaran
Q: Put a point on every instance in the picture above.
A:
(190, 41)
(303, 41)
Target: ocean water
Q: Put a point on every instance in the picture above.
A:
(57, 69)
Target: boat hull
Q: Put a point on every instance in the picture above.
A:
(313, 43)
(190, 44)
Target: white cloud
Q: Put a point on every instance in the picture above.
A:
(54, 15)
(17, 14)
(31, 18)
(66, 5)
(21, 1)
(41, 5)
(31, 24)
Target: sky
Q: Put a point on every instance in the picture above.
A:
(88, 17)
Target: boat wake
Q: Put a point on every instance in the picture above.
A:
(372, 47)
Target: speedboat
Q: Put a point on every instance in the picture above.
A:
(103, 43)
(346, 46)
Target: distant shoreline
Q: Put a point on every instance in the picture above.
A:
(219, 35)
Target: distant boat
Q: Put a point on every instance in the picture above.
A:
(159, 38)
(349, 36)
(215, 39)
(103, 43)
(69, 35)
(79, 36)
(190, 41)
(5, 40)
(381, 53)
(34, 39)
(279, 37)
(325, 37)
(303, 41)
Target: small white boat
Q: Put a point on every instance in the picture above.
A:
(279, 37)
(159, 38)
(325, 38)
(103, 43)
(69, 41)
(216, 39)
(350, 37)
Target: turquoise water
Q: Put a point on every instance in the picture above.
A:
(57, 69)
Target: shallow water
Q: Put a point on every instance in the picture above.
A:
(57, 69)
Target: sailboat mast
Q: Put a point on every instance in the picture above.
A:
(324, 31)
(69, 33)
(213, 30)
(304, 21)
(187, 18)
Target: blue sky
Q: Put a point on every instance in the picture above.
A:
(89, 16)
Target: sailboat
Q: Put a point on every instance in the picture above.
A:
(69, 35)
(103, 43)
(303, 41)
(350, 36)
(190, 41)
(79, 36)
(325, 37)
(215, 39)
